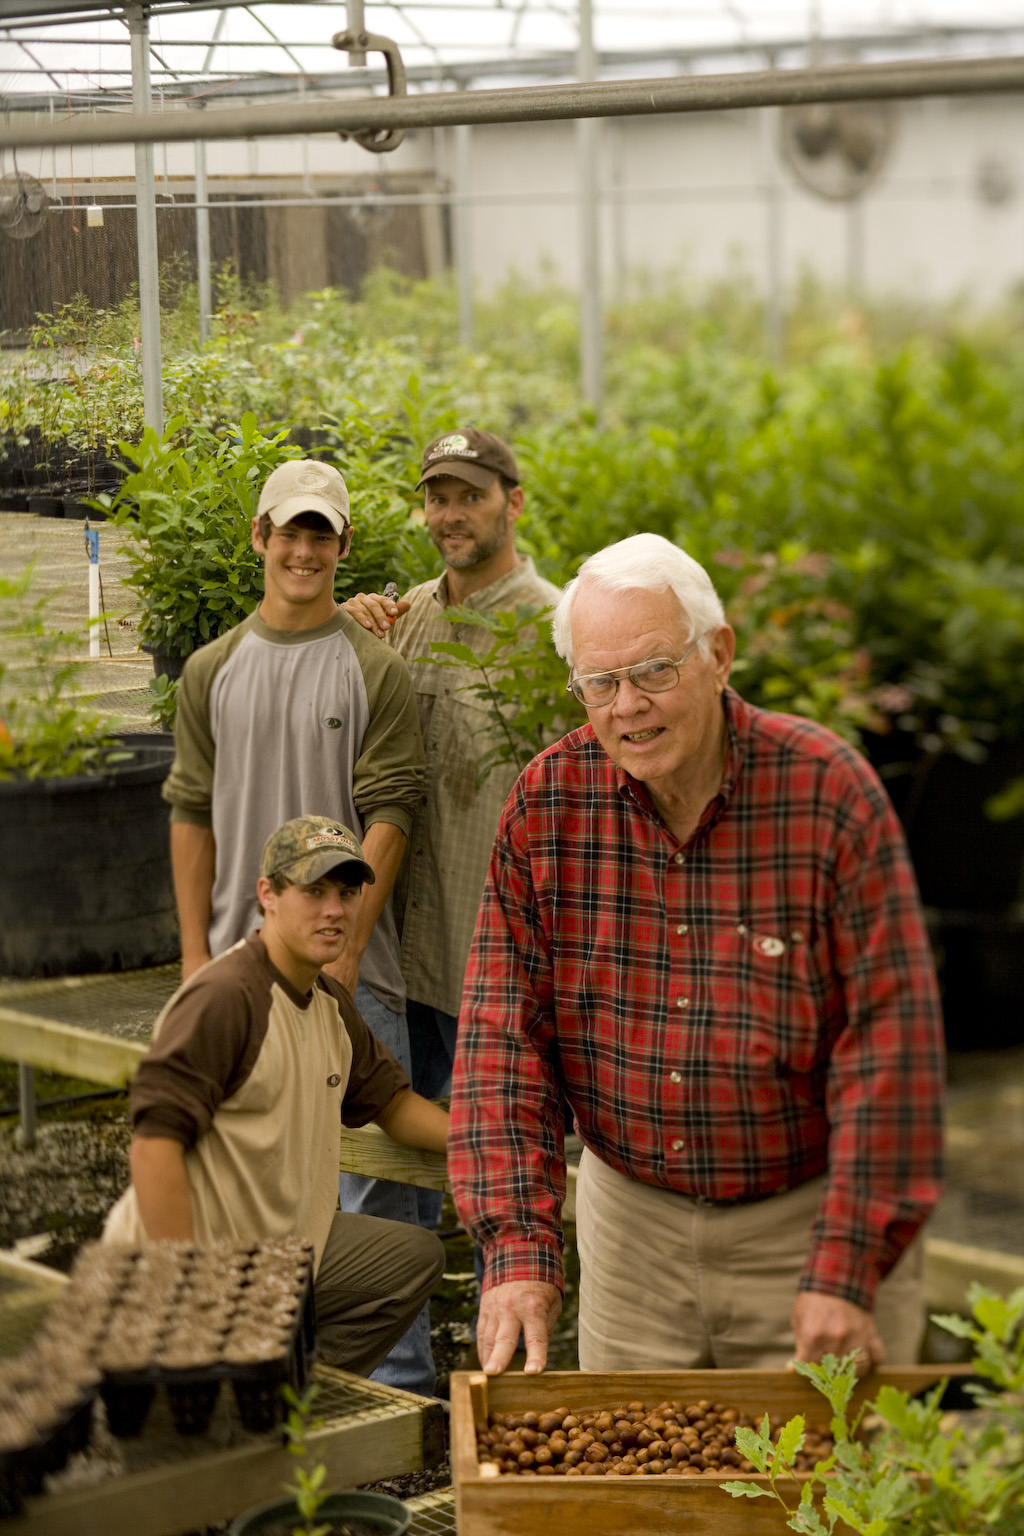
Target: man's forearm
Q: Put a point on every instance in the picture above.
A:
(415, 1122)
(384, 849)
(161, 1187)
(193, 862)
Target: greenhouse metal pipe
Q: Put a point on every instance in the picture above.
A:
(356, 25)
(204, 280)
(588, 222)
(773, 206)
(538, 103)
(462, 220)
(924, 187)
(145, 224)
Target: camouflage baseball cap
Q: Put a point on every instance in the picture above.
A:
(309, 847)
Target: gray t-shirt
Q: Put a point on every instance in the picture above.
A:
(274, 724)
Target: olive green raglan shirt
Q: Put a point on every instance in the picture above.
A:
(274, 724)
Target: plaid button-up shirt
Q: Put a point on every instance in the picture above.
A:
(728, 1017)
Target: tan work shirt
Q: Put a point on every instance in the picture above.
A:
(438, 891)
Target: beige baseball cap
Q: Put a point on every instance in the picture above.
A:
(305, 485)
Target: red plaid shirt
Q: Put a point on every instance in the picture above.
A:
(729, 1017)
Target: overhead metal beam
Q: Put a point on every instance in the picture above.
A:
(605, 98)
(465, 74)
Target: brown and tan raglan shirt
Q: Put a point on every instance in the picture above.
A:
(255, 1080)
(274, 724)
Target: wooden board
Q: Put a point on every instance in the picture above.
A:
(612, 1506)
(56, 1047)
(950, 1268)
(26, 1291)
(191, 1494)
(370, 1150)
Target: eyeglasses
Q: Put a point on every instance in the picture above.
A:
(655, 676)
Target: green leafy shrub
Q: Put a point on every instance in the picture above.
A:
(889, 448)
(520, 680)
(186, 509)
(898, 1467)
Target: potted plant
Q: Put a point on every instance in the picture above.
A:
(186, 508)
(310, 1509)
(83, 829)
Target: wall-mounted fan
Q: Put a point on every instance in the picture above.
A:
(23, 205)
(837, 149)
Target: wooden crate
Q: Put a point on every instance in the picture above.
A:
(633, 1506)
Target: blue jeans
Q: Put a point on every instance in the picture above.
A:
(410, 1363)
(432, 1049)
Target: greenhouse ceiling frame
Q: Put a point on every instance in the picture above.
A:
(387, 117)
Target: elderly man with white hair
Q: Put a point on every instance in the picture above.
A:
(701, 937)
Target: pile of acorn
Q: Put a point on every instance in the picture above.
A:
(672, 1440)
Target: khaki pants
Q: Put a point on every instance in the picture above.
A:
(374, 1277)
(668, 1283)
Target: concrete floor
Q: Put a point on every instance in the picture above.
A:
(119, 679)
(984, 1200)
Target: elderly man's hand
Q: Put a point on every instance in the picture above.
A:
(828, 1325)
(529, 1306)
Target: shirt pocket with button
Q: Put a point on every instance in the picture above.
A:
(768, 992)
(457, 728)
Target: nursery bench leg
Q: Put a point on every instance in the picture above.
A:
(27, 1103)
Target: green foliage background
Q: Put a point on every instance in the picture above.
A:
(861, 507)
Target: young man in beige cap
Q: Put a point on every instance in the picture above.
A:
(299, 710)
(256, 1062)
(472, 501)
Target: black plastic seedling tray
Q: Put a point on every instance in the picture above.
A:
(22, 1470)
(128, 1395)
(192, 1392)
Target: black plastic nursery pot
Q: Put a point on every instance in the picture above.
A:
(964, 861)
(48, 502)
(365, 1514)
(86, 869)
(164, 664)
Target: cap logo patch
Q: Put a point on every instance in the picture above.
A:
(312, 480)
(327, 840)
(454, 446)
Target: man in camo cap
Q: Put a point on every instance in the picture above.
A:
(256, 1062)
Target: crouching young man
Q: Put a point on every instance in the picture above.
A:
(238, 1105)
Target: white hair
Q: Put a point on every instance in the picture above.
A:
(644, 563)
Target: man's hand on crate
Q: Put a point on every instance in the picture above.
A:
(529, 1307)
(828, 1325)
